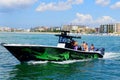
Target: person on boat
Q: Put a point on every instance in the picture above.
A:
(75, 45)
(71, 44)
(83, 45)
(92, 47)
(86, 47)
(79, 48)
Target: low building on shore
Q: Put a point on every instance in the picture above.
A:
(9, 29)
(5, 29)
(117, 30)
(78, 29)
(45, 29)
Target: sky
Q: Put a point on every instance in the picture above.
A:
(32, 13)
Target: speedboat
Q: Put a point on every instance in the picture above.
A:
(61, 52)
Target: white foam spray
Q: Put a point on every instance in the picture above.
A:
(111, 55)
(70, 61)
(37, 62)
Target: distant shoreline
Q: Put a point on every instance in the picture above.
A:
(33, 32)
(94, 34)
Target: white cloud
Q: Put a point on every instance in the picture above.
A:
(13, 4)
(87, 19)
(116, 5)
(105, 20)
(58, 6)
(82, 19)
(102, 2)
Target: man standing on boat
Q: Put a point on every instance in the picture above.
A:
(84, 46)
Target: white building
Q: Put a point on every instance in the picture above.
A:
(110, 28)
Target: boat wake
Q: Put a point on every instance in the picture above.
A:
(111, 55)
(70, 61)
(37, 62)
(57, 62)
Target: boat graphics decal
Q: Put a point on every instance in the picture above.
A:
(57, 55)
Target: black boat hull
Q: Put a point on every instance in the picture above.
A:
(26, 53)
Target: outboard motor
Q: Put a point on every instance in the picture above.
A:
(102, 50)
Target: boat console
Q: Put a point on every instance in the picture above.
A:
(65, 39)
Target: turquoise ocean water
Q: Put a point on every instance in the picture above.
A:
(106, 68)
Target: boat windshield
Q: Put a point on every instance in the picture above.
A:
(64, 37)
(64, 40)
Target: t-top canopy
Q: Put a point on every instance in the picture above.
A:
(65, 35)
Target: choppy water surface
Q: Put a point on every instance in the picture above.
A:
(97, 69)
